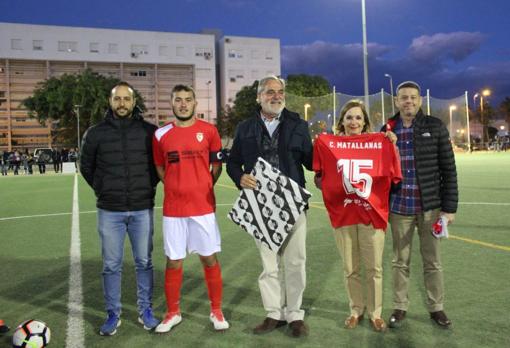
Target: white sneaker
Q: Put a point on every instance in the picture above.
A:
(218, 321)
(171, 320)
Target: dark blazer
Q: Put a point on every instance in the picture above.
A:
(294, 147)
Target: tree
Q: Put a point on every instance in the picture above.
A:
(55, 99)
(245, 105)
(307, 85)
(505, 110)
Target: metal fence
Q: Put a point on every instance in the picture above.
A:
(322, 114)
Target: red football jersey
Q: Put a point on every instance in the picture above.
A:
(184, 153)
(357, 172)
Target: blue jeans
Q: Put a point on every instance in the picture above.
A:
(112, 227)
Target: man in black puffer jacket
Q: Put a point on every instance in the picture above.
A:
(428, 190)
(116, 161)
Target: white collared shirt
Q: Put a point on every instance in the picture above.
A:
(271, 124)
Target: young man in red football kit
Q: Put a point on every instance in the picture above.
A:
(182, 153)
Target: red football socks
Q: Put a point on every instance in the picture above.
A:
(214, 285)
(173, 282)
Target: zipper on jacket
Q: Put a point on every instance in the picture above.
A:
(123, 130)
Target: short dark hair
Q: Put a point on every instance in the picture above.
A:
(180, 88)
(409, 84)
(124, 84)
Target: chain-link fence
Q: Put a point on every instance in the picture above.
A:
(322, 113)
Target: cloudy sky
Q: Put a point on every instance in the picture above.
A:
(448, 46)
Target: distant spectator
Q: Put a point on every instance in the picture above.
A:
(5, 162)
(30, 163)
(42, 164)
(57, 160)
(16, 162)
(65, 155)
(24, 160)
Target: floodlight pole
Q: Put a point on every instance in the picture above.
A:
(467, 121)
(365, 54)
(391, 89)
(77, 108)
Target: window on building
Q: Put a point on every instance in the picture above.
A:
(256, 54)
(37, 45)
(235, 74)
(139, 50)
(255, 74)
(235, 53)
(269, 55)
(138, 73)
(180, 51)
(68, 46)
(16, 44)
(203, 52)
(164, 51)
(113, 48)
(94, 47)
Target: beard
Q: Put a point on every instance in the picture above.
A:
(183, 118)
(126, 114)
(269, 108)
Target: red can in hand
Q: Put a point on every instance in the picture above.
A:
(437, 227)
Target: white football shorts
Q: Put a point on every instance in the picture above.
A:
(195, 234)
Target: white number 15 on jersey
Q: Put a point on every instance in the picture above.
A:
(351, 174)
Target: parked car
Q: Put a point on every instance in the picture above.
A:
(45, 153)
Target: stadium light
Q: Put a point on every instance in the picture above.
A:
(391, 89)
(452, 107)
(306, 111)
(485, 93)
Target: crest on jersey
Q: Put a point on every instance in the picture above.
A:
(200, 137)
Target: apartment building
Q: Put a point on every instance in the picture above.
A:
(243, 60)
(153, 62)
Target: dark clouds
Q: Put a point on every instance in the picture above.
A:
(435, 48)
(438, 62)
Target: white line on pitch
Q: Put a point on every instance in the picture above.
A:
(218, 205)
(75, 337)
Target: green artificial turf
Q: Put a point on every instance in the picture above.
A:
(34, 259)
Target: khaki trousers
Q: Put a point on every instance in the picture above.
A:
(362, 242)
(283, 279)
(402, 228)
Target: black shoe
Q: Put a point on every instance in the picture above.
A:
(3, 328)
(268, 325)
(396, 319)
(441, 319)
(298, 328)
